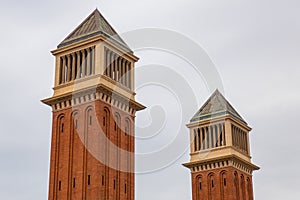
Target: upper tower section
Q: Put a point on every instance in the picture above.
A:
(218, 132)
(94, 56)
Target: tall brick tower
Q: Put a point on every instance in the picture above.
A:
(220, 161)
(92, 149)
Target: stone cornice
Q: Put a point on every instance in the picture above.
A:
(221, 162)
(99, 92)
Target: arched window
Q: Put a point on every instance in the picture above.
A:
(243, 186)
(89, 116)
(236, 184)
(249, 189)
(75, 120)
(128, 133)
(127, 127)
(199, 187)
(61, 124)
(74, 139)
(106, 120)
(117, 125)
(223, 181)
(211, 185)
(117, 122)
(59, 146)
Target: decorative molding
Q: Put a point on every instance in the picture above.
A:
(229, 161)
(101, 93)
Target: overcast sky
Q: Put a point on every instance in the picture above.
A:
(254, 46)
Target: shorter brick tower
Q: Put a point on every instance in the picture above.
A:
(220, 161)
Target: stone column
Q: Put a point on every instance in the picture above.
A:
(100, 59)
(110, 69)
(206, 138)
(93, 60)
(192, 140)
(63, 76)
(84, 65)
(69, 71)
(199, 139)
(214, 138)
(202, 131)
(132, 76)
(88, 62)
(119, 68)
(123, 71)
(127, 74)
(79, 67)
(219, 134)
(58, 65)
(73, 66)
(228, 133)
(248, 143)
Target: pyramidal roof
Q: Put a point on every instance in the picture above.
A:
(94, 24)
(215, 106)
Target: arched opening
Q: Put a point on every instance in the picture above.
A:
(74, 162)
(60, 154)
(199, 187)
(129, 142)
(211, 182)
(249, 189)
(105, 151)
(223, 181)
(118, 164)
(243, 187)
(236, 185)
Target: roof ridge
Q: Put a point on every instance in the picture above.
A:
(206, 102)
(112, 28)
(216, 104)
(97, 22)
(94, 24)
(229, 104)
(79, 26)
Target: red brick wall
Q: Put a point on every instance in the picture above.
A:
(94, 154)
(221, 184)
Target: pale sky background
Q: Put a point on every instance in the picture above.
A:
(254, 45)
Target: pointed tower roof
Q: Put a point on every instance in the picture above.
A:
(94, 24)
(215, 106)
